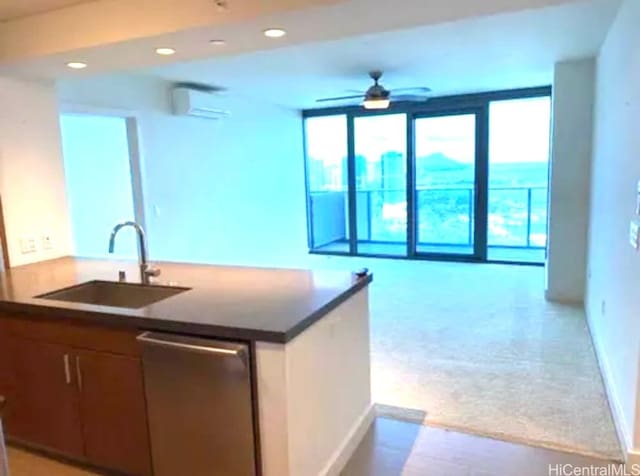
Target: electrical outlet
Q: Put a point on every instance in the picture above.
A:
(634, 234)
(28, 245)
(47, 242)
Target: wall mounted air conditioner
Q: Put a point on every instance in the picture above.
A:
(191, 102)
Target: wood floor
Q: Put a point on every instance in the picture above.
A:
(395, 448)
(24, 463)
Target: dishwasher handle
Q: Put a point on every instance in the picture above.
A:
(183, 343)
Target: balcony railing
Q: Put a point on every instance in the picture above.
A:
(517, 216)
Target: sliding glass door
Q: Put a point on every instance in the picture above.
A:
(455, 178)
(445, 182)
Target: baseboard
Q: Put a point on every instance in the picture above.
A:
(617, 412)
(633, 458)
(560, 298)
(341, 456)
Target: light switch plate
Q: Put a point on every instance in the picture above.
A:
(27, 245)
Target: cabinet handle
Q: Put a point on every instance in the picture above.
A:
(67, 369)
(78, 372)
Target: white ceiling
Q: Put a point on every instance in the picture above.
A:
(40, 45)
(502, 51)
(11, 9)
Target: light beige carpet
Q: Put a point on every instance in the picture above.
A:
(477, 348)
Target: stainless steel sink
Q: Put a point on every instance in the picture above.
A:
(107, 293)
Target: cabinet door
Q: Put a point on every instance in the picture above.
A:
(113, 411)
(6, 369)
(45, 410)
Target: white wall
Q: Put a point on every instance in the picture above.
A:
(613, 287)
(229, 191)
(31, 170)
(315, 394)
(571, 138)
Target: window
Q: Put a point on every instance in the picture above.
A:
(328, 198)
(381, 183)
(462, 178)
(518, 179)
(445, 170)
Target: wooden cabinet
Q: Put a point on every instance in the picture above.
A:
(6, 368)
(113, 411)
(77, 391)
(45, 411)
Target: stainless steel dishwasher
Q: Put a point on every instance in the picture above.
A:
(199, 406)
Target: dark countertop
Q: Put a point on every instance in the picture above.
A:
(254, 304)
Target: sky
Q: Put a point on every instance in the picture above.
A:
(519, 132)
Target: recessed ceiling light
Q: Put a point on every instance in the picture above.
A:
(76, 65)
(165, 51)
(217, 42)
(274, 32)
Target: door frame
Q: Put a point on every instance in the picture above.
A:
(132, 122)
(481, 184)
(4, 244)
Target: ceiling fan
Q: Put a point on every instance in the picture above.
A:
(378, 97)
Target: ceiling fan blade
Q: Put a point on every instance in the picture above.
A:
(342, 98)
(417, 90)
(409, 97)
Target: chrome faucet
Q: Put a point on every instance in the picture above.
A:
(146, 271)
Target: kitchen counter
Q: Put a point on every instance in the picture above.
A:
(253, 304)
(307, 341)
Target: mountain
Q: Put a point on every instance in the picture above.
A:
(439, 161)
(439, 170)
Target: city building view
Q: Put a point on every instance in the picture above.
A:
(445, 186)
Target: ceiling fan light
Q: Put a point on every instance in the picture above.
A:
(380, 103)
